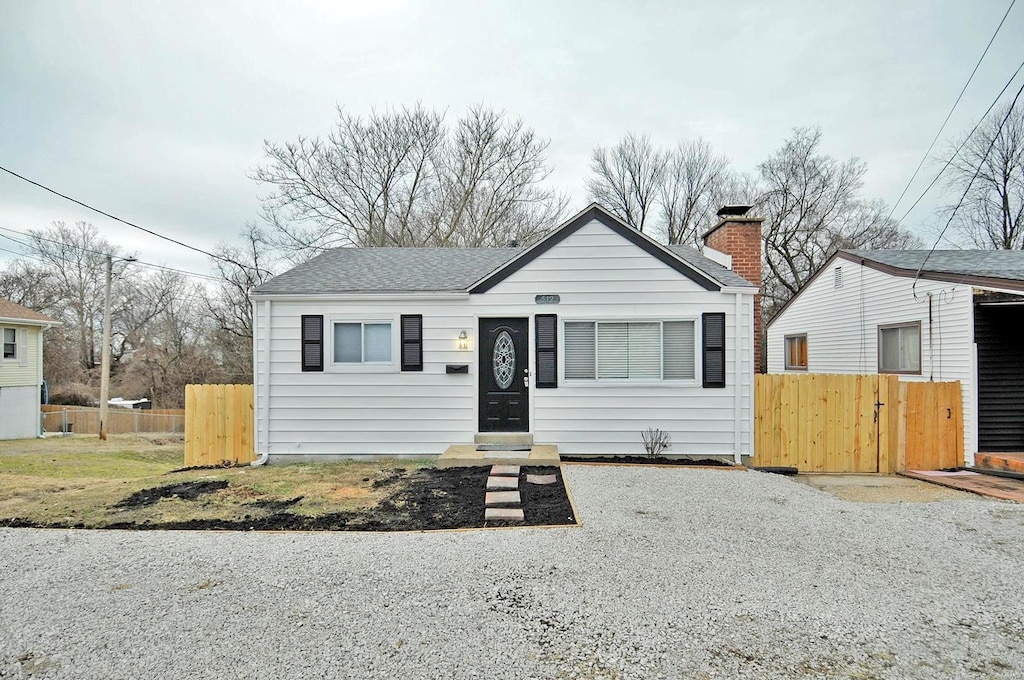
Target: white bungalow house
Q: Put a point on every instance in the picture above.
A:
(582, 340)
(21, 369)
(944, 315)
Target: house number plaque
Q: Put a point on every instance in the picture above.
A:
(547, 299)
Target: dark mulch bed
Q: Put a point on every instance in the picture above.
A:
(644, 460)
(188, 491)
(428, 498)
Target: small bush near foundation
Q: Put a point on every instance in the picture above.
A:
(656, 441)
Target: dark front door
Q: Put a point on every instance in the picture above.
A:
(504, 375)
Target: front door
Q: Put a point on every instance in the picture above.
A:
(504, 375)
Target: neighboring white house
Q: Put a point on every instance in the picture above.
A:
(21, 369)
(583, 340)
(942, 315)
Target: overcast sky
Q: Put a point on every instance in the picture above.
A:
(157, 111)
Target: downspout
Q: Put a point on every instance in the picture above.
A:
(264, 455)
(736, 455)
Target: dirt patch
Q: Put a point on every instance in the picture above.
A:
(545, 503)
(881, 488)
(225, 466)
(644, 460)
(188, 491)
(427, 498)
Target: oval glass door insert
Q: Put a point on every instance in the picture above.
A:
(504, 360)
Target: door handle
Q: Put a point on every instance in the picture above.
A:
(526, 381)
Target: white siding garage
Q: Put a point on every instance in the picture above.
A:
(21, 369)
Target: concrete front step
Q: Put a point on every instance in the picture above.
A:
(466, 455)
(508, 438)
(1000, 462)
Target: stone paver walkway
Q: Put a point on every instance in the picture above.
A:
(506, 478)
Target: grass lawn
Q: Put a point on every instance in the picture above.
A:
(130, 481)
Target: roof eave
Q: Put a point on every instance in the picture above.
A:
(945, 277)
(31, 322)
(364, 295)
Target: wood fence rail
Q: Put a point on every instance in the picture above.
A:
(856, 423)
(218, 424)
(86, 420)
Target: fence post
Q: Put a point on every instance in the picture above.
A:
(64, 422)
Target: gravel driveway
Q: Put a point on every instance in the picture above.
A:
(676, 573)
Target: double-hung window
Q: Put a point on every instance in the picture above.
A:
(10, 343)
(362, 342)
(899, 348)
(629, 350)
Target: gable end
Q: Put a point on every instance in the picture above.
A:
(590, 214)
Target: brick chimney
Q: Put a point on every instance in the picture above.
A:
(739, 237)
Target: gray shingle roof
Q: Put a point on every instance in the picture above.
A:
(723, 275)
(413, 270)
(999, 264)
(390, 270)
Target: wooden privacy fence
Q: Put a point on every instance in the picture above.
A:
(218, 424)
(856, 423)
(86, 420)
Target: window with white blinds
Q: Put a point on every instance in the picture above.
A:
(629, 350)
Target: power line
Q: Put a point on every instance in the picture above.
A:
(97, 252)
(956, 152)
(949, 115)
(967, 190)
(130, 224)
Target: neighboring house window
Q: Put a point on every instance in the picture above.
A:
(629, 350)
(362, 343)
(899, 348)
(796, 352)
(10, 343)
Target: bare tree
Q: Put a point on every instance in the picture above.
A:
(812, 207)
(229, 305)
(992, 214)
(696, 183)
(75, 257)
(404, 178)
(628, 179)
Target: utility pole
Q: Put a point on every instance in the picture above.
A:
(105, 363)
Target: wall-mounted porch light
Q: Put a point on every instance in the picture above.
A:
(463, 341)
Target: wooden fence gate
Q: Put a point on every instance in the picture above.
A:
(218, 424)
(856, 423)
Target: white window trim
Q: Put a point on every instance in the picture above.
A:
(13, 359)
(638, 382)
(920, 346)
(376, 367)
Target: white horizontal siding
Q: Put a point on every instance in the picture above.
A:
(842, 328)
(597, 274)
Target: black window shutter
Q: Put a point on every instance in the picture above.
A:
(312, 342)
(546, 331)
(412, 342)
(714, 349)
